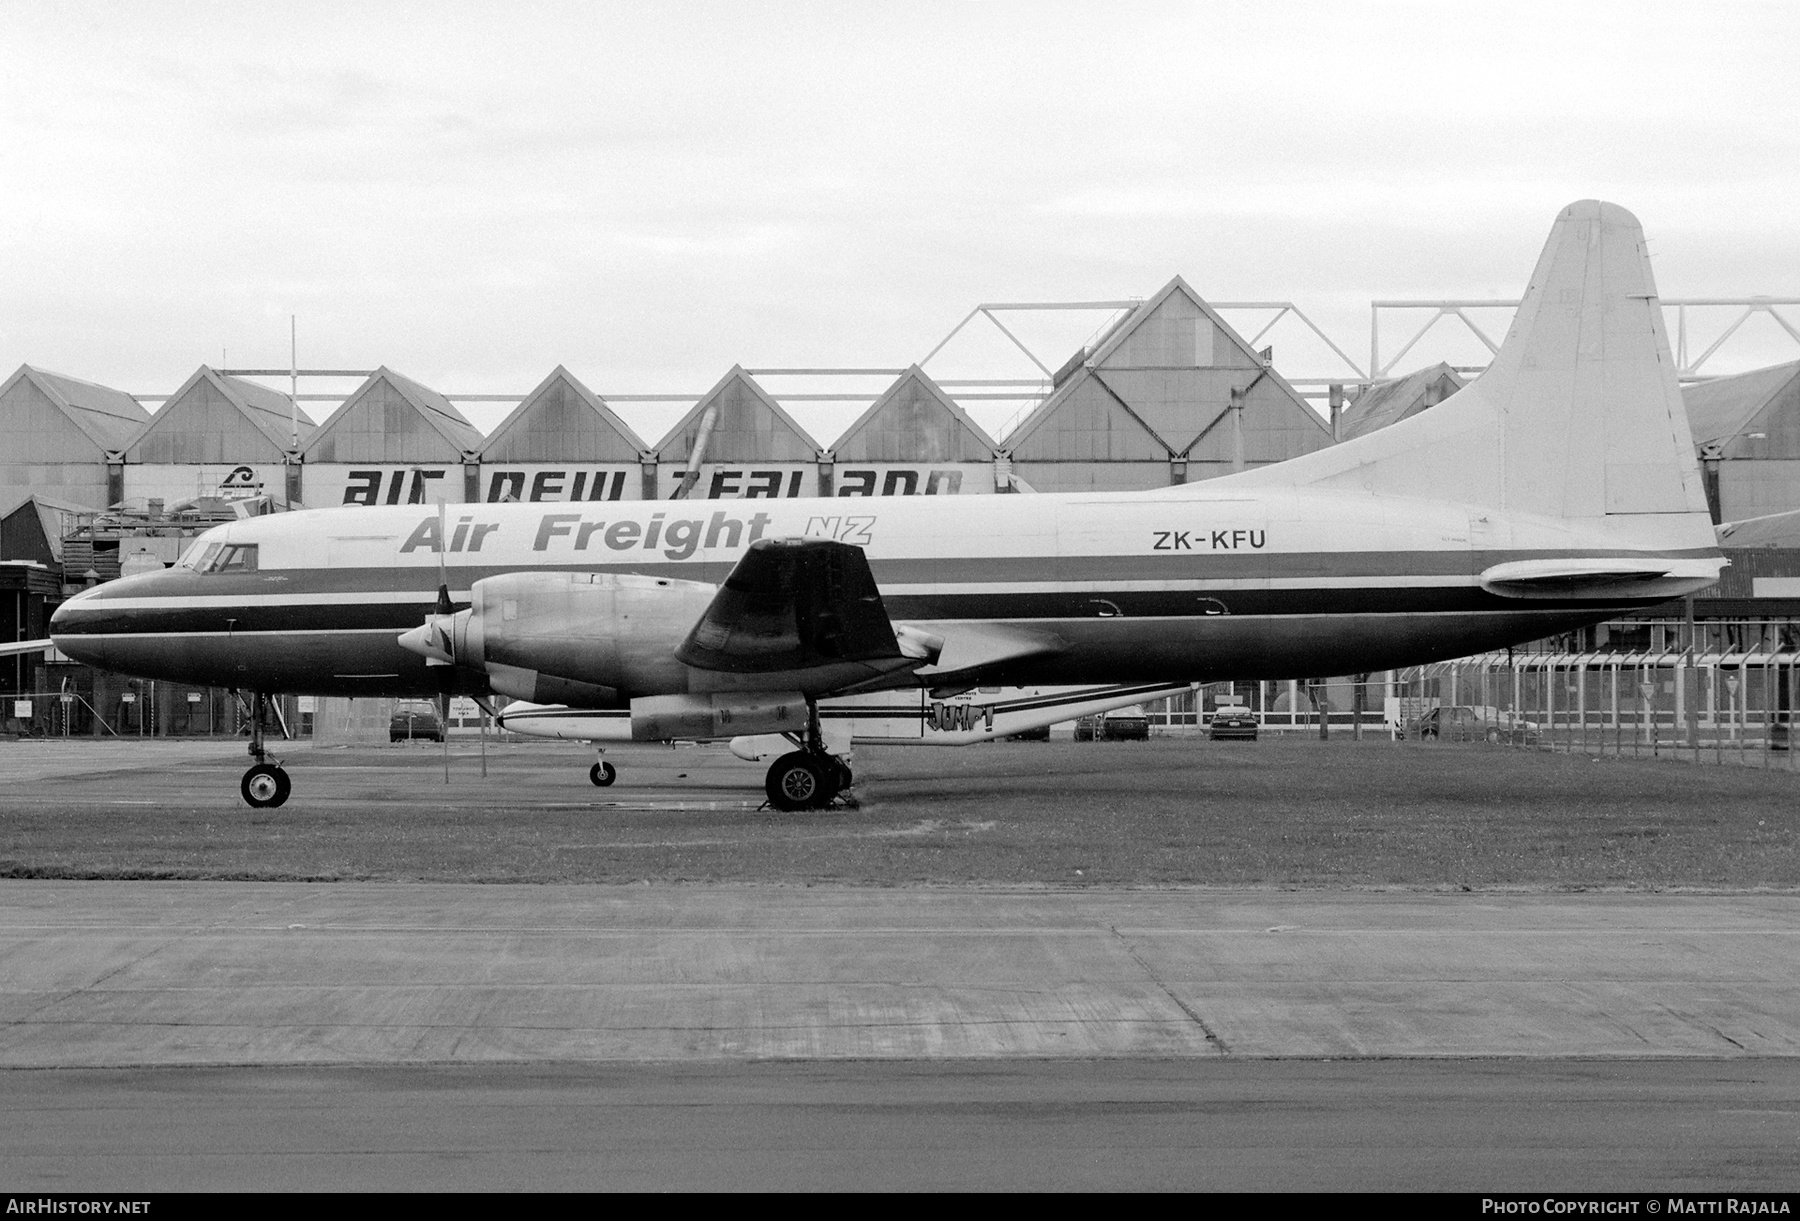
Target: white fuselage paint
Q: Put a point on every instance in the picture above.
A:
(1184, 584)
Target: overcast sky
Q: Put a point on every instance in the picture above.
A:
(649, 193)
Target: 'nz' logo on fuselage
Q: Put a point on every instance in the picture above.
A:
(853, 530)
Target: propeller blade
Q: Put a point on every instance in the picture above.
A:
(443, 598)
(446, 673)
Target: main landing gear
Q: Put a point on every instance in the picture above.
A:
(266, 784)
(809, 778)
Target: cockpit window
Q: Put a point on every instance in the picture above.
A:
(200, 551)
(232, 557)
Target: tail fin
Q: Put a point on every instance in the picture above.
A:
(1579, 416)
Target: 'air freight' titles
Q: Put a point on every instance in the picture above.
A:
(677, 539)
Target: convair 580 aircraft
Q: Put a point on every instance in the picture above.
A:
(1559, 489)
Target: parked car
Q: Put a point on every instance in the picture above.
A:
(1119, 725)
(1131, 724)
(1456, 723)
(1461, 723)
(1232, 721)
(415, 719)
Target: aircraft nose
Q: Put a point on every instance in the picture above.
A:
(75, 644)
(82, 626)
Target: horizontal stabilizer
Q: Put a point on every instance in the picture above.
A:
(1594, 578)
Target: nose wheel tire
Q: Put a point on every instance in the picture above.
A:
(265, 786)
(603, 774)
(801, 781)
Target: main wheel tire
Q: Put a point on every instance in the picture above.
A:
(603, 773)
(265, 786)
(798, 781)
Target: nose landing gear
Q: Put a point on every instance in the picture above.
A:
(266, 784)
(603, 773)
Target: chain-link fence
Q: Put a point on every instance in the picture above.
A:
(111, 706)
(1357, 705)
(1702, 707)
(1723, 692)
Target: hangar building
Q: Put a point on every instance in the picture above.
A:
(216, 431)
(562, 442)
(31, 550)
(916, 440)
(1169, 395)
(392, 442)
(736, 442)
(1389, 402)
(1747, 428)
(65, 437)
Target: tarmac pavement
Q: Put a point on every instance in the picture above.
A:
(102, 974)
(217, 1035)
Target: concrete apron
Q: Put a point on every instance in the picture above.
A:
(127, 973)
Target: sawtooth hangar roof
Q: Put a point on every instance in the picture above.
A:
(563, 421)
(1156, 389)
(391, 418)
(751, 427)
(1389, 402)
(52, 417)
(218, 418)
(914, 421)
(1749, 415)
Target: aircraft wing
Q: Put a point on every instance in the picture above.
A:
(14, 648)
(796, 604)
(966, 649)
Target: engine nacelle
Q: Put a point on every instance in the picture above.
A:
(580, 638)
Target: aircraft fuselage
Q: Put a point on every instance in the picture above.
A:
(1182, 584)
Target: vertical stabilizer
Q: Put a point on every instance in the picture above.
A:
(1579, 416)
